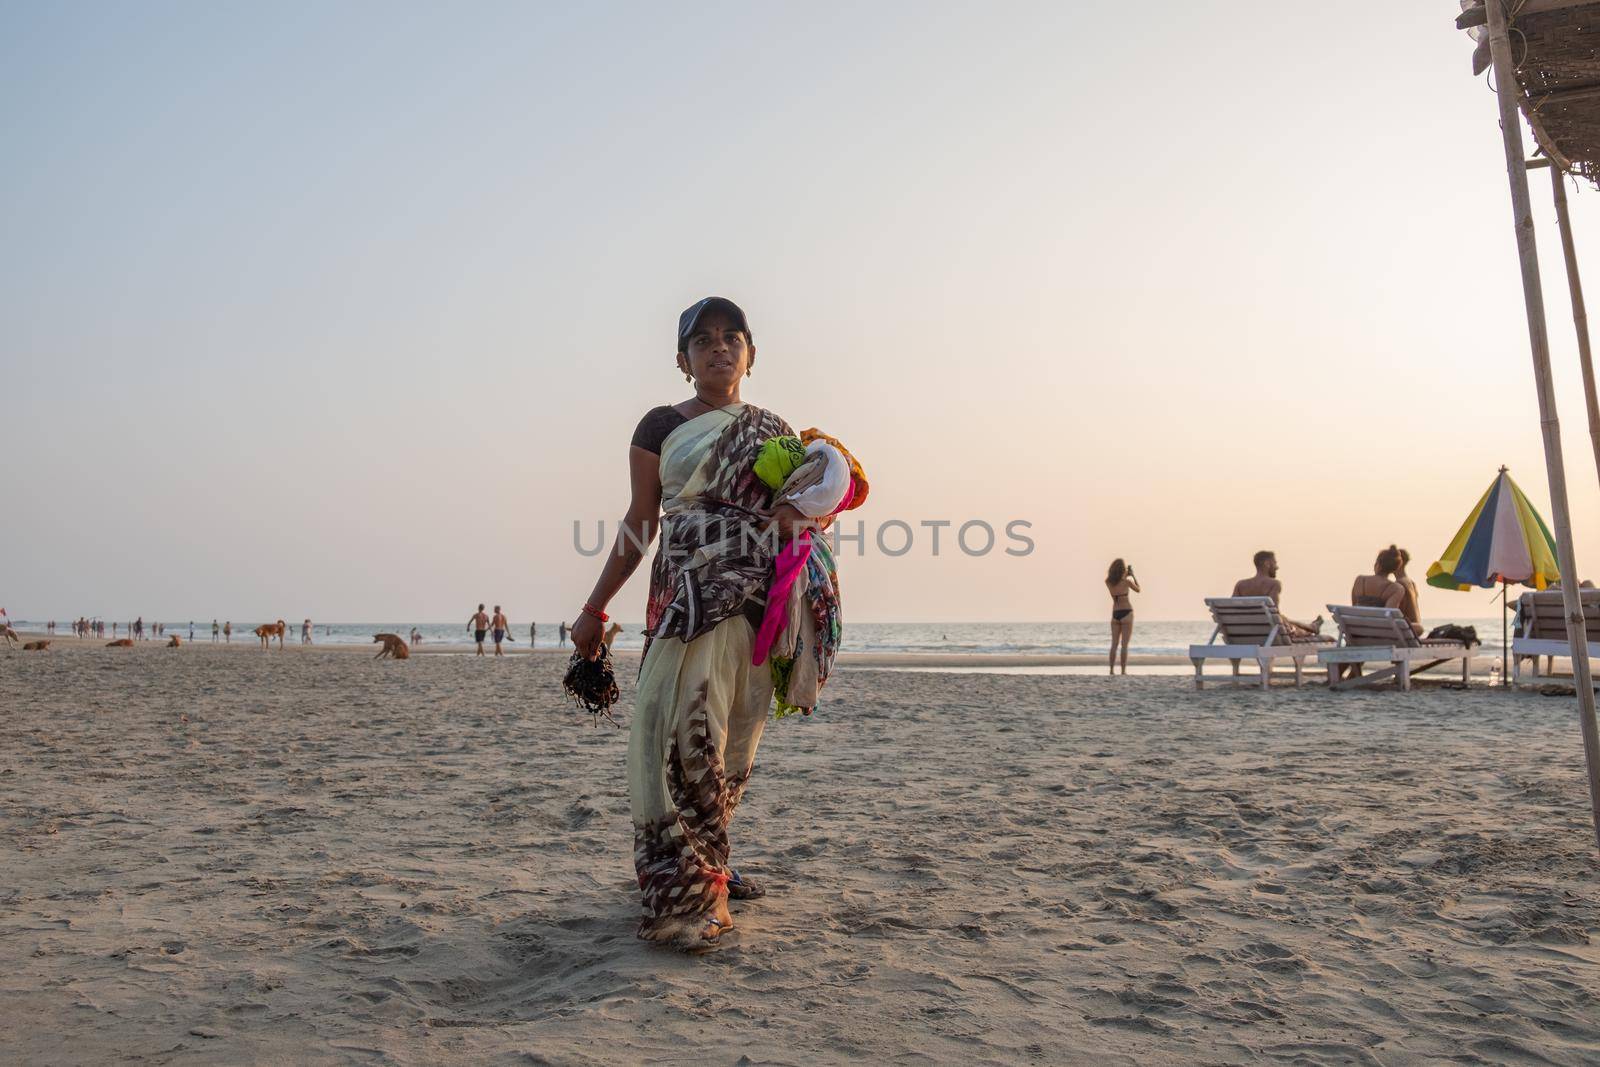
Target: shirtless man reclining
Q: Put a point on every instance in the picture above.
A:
(1265, 583)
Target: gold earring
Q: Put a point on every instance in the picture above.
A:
(688, 377)
(748, 371)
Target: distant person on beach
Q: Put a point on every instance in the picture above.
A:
(500, 624)
(533, 635)
(191, 631)
(478, 626)
(413, 637)
(227, 633)
(305, 632)
(215, 630)
(1119, 583)
(138, 628)
(561, 635)
(1265, 583)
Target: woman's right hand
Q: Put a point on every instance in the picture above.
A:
(586, 635)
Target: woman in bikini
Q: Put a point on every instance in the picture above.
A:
(1380, 590)
(1119, 583)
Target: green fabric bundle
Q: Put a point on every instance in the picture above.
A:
(778, 458)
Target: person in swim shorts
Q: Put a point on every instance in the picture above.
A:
(479, 626)
(501, 624)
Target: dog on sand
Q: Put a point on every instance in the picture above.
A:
(126, 642)
(268, 630)
(173, 642)
(394, 646)
(36, 646)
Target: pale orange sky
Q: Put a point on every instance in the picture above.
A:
(350, 314)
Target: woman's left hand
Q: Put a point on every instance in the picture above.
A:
(789, 521)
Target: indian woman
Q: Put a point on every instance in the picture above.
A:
(700, 704)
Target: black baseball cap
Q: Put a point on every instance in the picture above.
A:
(691, 317)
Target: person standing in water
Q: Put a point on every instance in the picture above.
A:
(1119, 583)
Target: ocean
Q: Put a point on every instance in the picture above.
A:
(955, 638)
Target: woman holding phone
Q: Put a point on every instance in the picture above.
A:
(1119, 583)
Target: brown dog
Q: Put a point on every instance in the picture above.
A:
(126, 642)
(36, 646)
(173, 642)
(393, 646)
(268, 630)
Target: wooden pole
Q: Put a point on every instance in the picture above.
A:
(1580, 317)
(1505, 76)
(1505, 636)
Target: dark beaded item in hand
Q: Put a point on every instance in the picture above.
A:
(592, 684)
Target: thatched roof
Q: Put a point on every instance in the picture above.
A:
(1556, 46)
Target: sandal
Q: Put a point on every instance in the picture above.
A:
(744, 888)
(709, 935)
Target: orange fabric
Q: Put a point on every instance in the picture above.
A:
(858, 477)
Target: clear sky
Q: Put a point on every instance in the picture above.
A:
(348, 311)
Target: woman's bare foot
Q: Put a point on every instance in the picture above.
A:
(706, 930)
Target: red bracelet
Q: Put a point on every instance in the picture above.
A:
(590, 609)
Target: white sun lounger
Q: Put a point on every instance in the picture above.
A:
(1382, 635)
(1250, 629)
(1542, 629)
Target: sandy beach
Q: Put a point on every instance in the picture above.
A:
(233, 857)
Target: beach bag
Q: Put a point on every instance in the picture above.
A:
(1467, 635)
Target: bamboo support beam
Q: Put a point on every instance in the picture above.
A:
(1580, 317)
(1549, 422)
(1476, 16)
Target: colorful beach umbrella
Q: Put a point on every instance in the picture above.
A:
(1503, 542)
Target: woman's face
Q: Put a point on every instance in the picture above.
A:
(717, 353)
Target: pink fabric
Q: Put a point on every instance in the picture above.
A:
(791, 561)
(849, 495)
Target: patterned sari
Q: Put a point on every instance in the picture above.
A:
(701, 705)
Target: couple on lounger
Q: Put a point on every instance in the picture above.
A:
(1389, 587)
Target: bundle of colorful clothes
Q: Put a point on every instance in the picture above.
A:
(800, 631)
